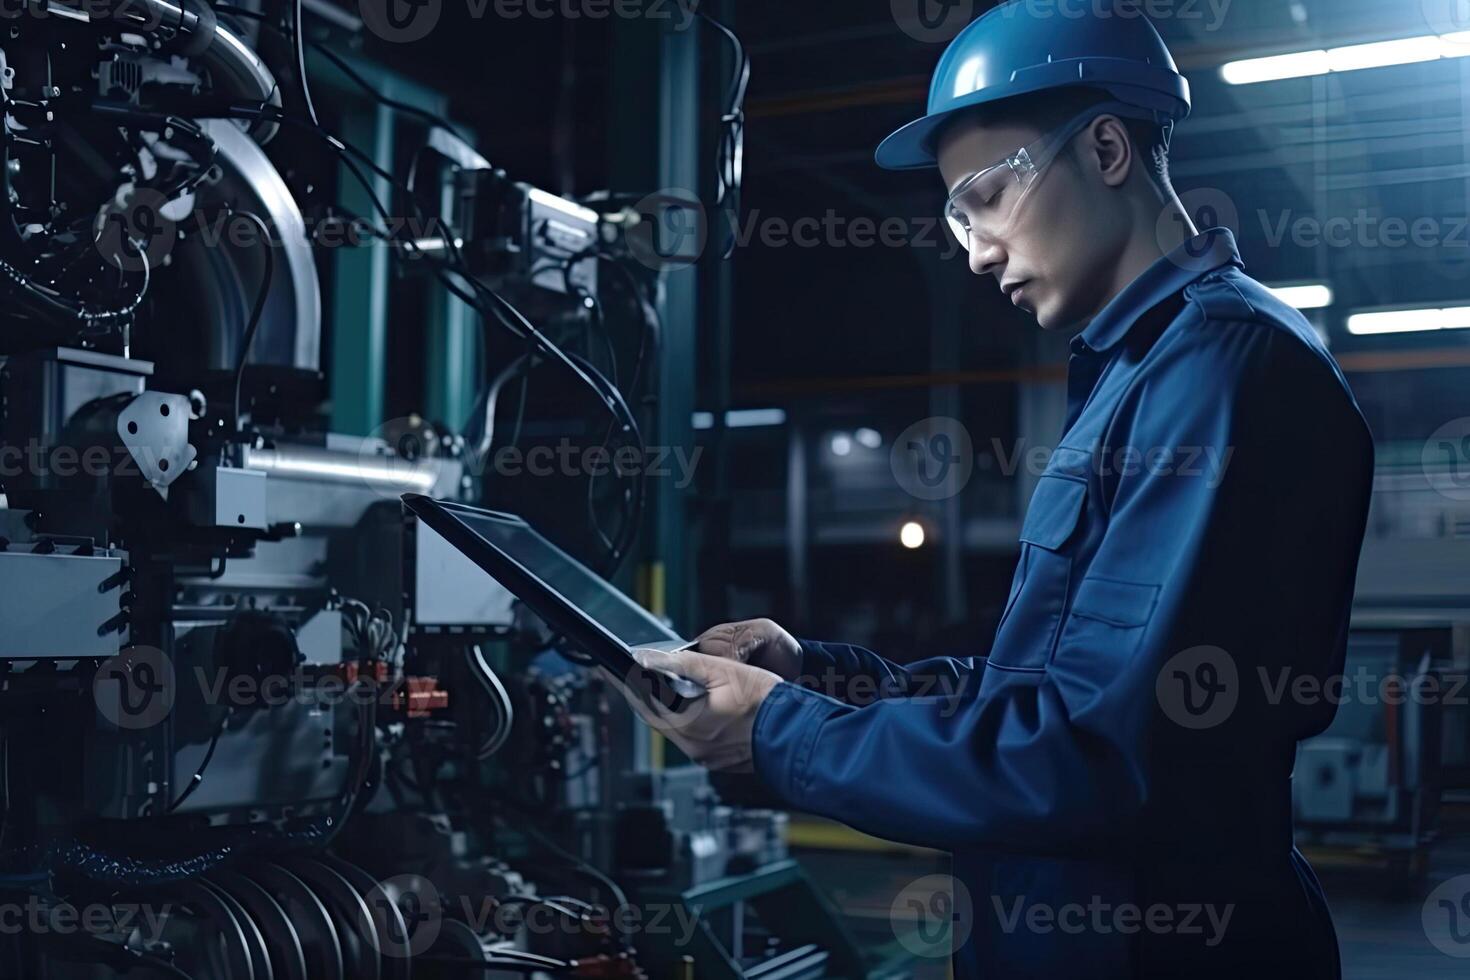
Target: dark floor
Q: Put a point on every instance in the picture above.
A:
(1387, 927)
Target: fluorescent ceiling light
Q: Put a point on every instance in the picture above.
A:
(742, 418)
(1352, 57)
(1304, 296)
(1409, 321)
(1298, 65)
(753, 418)
(1383, 53)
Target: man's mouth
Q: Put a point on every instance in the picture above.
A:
(1014, 291)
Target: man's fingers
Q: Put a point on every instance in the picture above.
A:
(718, 641)
(696, 666)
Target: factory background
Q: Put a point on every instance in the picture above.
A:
(783, 319)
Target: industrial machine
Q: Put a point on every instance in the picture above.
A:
(258, 723)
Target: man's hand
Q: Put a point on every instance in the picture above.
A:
(715, 730)
(758, 642)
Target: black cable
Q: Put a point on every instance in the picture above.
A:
(730, 164)
(366, 756)
(298, 40)
(584, 868)
(198, 777)
(255, 313)
(501, 309)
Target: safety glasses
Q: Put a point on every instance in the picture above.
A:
(988, 202)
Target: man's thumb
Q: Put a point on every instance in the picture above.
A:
(687, 663)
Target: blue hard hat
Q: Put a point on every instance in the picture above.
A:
(1025, 46)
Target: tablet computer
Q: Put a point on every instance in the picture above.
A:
(573, 600)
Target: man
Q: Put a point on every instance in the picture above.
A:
(1114, 779)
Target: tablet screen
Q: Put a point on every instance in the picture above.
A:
(595, 597)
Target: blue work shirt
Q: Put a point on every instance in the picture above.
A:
(1117, 771)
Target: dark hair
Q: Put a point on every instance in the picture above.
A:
(1048, 110)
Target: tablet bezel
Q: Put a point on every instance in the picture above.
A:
(560, 612)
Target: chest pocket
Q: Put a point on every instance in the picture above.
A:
(1028, 627)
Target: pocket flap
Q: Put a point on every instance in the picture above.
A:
(1125, 604)
(1055, 509)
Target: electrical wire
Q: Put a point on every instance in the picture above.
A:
(298, 40)
(497, 307)
(730, 163)
(198, 777)
(259, 307)
(495, 691)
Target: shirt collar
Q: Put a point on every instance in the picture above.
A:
(1191, 261)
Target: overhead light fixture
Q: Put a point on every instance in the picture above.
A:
(911, 535)
(1409, 321)
(868, 438)
(841, 444)
(742, 418)
(1304, 295)
(1299, 64)
(1352, 57)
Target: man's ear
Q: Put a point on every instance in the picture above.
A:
(1110, 150)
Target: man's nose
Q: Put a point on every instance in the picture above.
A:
(986, 255)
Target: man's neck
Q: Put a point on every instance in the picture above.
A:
(1155, 235)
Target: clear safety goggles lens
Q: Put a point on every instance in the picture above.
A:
(987, 202)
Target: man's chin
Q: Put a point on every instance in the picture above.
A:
(1055, 317)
